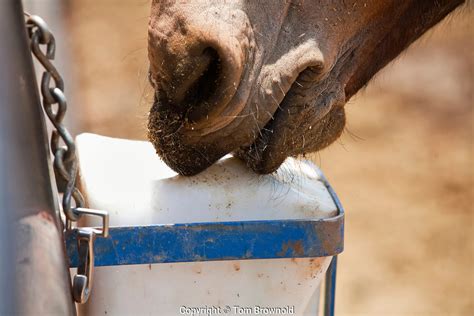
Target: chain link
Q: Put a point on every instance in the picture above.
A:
(64, 150)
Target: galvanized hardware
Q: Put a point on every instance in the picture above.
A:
(85, 237)
(82, 281)
(104, 231)
(65, 162)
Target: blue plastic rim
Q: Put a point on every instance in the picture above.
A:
(215, 241)
(238, 240)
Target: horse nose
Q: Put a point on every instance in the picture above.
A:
(195, 66)
(176, 69)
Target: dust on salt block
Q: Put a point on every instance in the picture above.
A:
(127, 178)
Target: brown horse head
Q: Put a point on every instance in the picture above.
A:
(267, 79)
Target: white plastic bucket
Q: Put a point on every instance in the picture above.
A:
(129, 180)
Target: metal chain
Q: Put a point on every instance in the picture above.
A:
(65, 161)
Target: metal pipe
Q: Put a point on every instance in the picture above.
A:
(33, 250)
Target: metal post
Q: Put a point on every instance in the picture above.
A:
(33, 250)
(330, 288)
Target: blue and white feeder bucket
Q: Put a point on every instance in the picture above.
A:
(224, 242)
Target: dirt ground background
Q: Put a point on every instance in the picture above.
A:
(403, 168)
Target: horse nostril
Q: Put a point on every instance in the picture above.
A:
(196, 76)
(198, 96)
(189, 83)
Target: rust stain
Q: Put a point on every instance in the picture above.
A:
(236, 266)
(309, 268)
(196, 268)
(294, 247)
(328, 239)
(46, 216)
(314, 268)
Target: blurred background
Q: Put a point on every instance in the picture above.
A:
(403, 168)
